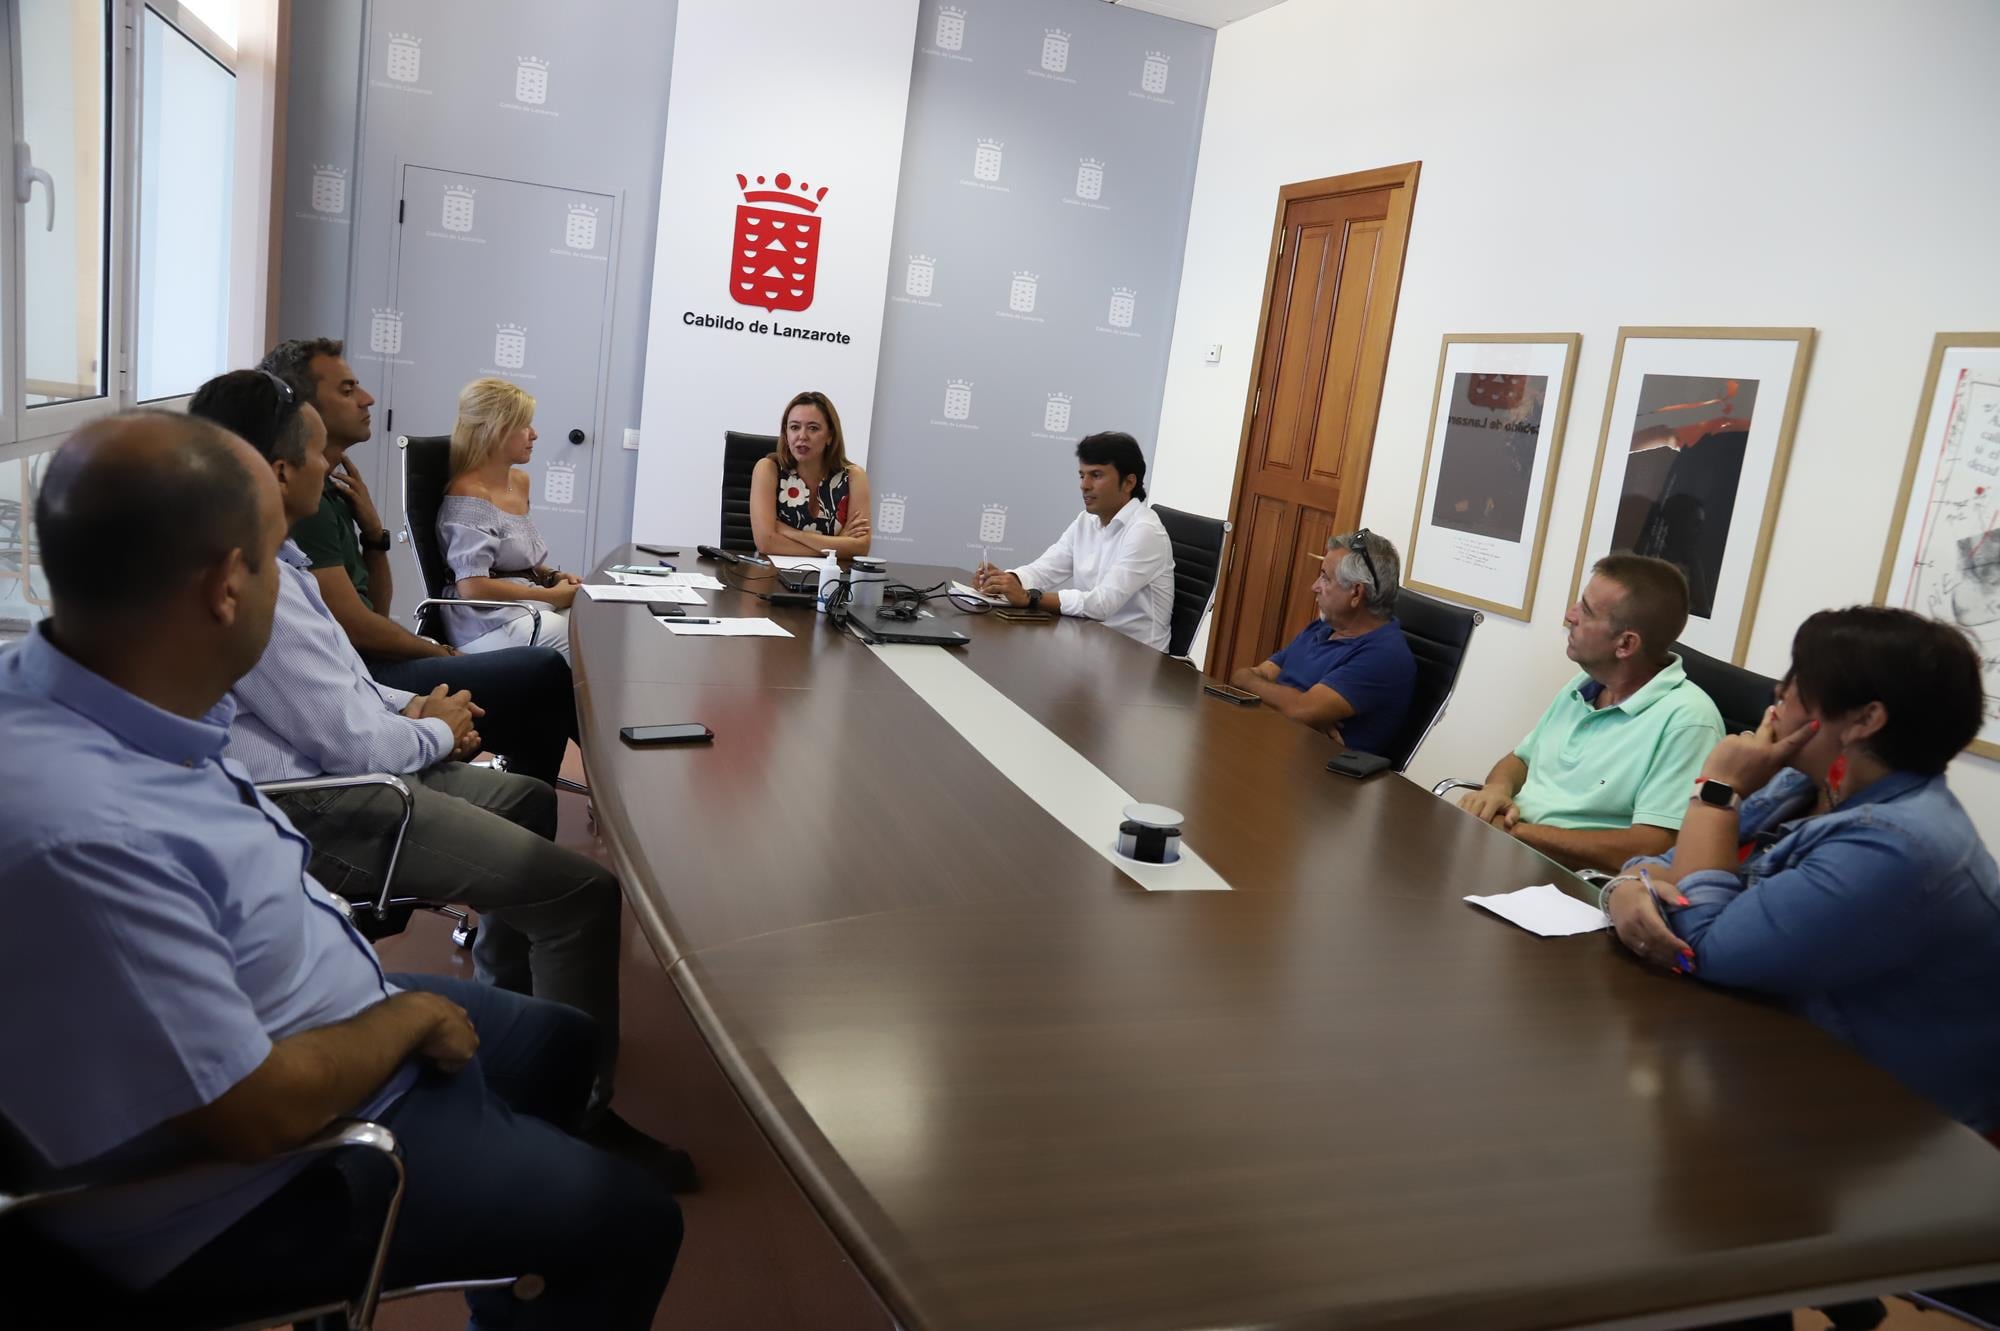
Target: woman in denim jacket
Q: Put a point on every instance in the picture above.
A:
(1824, 861)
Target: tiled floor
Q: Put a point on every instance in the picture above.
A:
(757, 1257)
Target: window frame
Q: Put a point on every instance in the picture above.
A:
(27, 430)
(180, 17)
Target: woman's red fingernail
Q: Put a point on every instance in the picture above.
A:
(1683, 901)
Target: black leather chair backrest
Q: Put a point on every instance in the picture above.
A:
(1198, 543)
(1439, 634)
(740, 455)
(426, 472)
(1740, 695)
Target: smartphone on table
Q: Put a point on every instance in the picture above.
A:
(655, 549)
(1241, 697)
(681, 732)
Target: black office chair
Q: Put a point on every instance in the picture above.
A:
(1740, 695)
(1439, 635)
(740, 455)
(426, 472)
(1198, 545)
(47, 1287)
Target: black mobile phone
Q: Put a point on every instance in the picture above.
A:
(1234, 695)
(655, 549)
(667, 608)
(685, 732)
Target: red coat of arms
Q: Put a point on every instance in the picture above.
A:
(777, 244)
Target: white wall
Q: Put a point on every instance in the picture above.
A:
(1789, 162)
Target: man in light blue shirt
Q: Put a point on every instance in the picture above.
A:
(477, 836)
(182, 991)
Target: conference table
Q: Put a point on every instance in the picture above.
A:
(1025, 1092)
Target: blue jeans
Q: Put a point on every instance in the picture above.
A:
(496, 1187)
(527, 692)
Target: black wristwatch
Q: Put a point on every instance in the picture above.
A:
(380, 541)
(1720, 794)
(1034, 598)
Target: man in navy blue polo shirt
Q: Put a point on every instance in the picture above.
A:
(1349, 673)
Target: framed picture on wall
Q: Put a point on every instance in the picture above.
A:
(1943, 554)
(1496, 432)
(1691, 462)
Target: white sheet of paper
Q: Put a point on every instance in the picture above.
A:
(963, 590)
(701, 582)
(728, 628)
(653, 590)
(1544, 909)
(791, 562)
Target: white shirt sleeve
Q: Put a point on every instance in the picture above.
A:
(1143, 553)
(1055, 565)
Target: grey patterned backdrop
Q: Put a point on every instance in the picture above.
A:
(1048, 169)
(543, 125)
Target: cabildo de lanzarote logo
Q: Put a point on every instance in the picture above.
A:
(774, 257)
(777, 244)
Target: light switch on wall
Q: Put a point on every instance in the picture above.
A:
(1214, 355)
(631, 439)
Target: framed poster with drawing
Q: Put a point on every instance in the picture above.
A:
(1691, 462)
(1497, 417)
(1943, 554)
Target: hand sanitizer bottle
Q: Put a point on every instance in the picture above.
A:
(829, 581)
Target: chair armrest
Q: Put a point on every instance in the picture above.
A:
(384, 779)
(1449, 784)
(533, 608)
(341, 1134)
(337, 1135)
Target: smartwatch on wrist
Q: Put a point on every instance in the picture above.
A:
(380, 541)
(1034, 598)
(1718, 794)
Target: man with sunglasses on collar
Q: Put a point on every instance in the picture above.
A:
(1349, 673)
(549, 916)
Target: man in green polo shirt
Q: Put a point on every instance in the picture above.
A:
(1606, 773)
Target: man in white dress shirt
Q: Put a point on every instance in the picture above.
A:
(1114, 563)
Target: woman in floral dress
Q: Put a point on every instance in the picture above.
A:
(806, 498)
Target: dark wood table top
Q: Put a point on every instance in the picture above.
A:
(1025, 1093)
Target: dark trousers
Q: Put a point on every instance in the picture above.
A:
(496, 1188)
(529, 699)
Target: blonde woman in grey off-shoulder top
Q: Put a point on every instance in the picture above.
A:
(490, 543)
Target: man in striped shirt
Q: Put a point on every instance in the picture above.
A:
(549, 917)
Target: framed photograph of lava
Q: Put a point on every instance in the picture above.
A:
(1691, 461)
(1496, 432)
(1943, 554)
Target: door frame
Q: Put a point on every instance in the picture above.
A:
(1401, 178)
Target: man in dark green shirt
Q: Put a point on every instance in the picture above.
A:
(526, 692)
(332, 538)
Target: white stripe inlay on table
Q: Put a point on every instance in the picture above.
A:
(1065, 783)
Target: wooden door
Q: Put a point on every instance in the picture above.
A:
(1315, 389)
